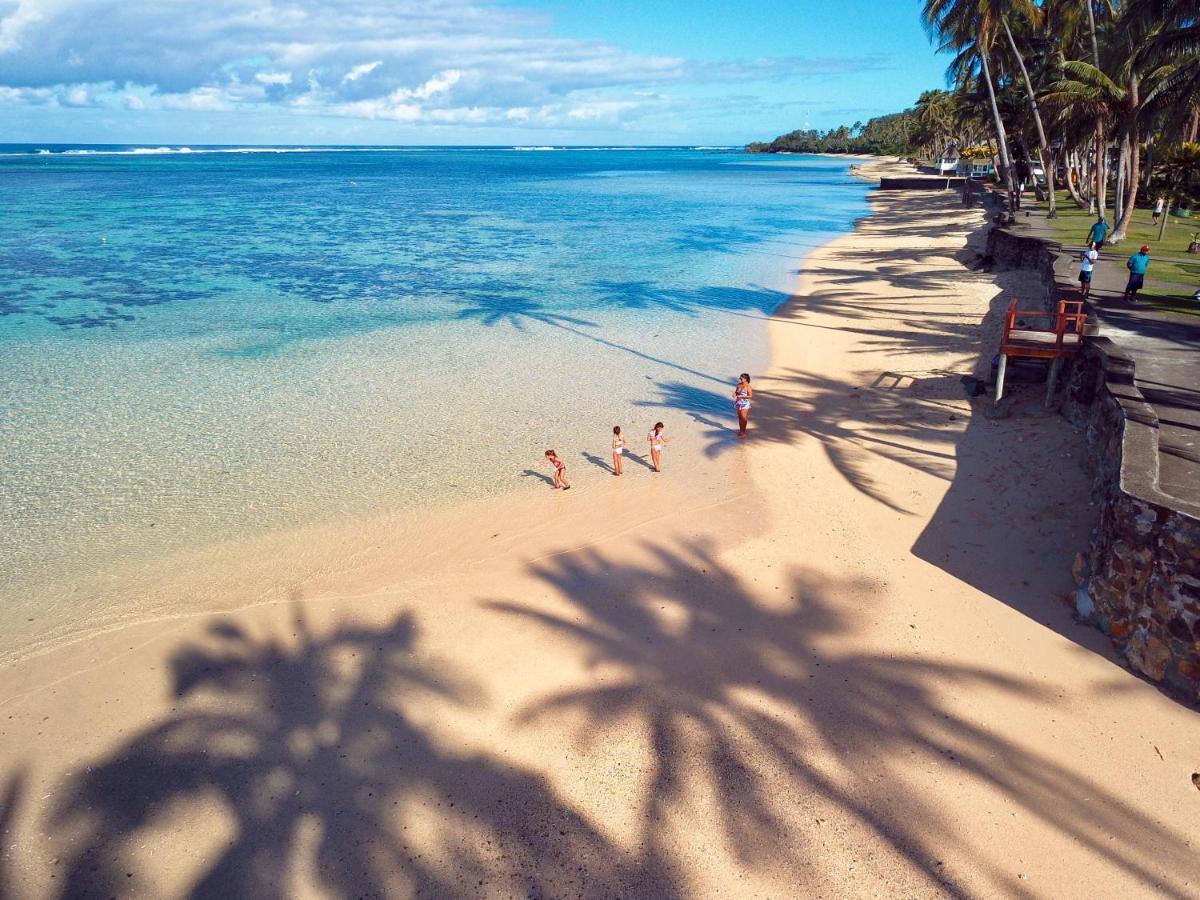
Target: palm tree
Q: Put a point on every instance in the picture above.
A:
(969, 27)
(1180, 169)
(1029, 11)
(936, 116)
(1086, 92)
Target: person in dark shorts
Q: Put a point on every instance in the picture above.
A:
(1137, 266)
(1087, 265)
(1098, 233)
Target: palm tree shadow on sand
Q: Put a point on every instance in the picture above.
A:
(852, 425)
(306, 748)
(739, 701)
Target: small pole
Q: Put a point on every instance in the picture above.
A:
(1052, 381)
(1000, 376)
(1162, 225)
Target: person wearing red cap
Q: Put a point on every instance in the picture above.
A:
(1137, 266)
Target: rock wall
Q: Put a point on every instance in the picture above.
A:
(1139, 580)
(920, 183)
(1011, 250)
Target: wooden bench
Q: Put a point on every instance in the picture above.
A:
(1063, 339)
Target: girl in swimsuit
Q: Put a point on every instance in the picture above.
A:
(618, 449)
(657, 441)
(742, 395)
(560, 471)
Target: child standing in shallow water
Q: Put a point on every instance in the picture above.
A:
(560, 471)
(618, 449)
(657, 441)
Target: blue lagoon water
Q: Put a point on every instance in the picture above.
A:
(201, 346)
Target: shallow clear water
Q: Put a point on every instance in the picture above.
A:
(199, 346)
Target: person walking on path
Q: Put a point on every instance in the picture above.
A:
(1158, 210)
(1098, 233)
(560, 471)
(1087, 264)
(1137, 266)
(742, 395)
(657, 441)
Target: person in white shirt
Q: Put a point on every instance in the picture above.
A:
(1088, 264)
(1158, 209)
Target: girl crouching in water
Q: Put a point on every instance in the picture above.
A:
(742, 395)
(618, 449)
(560, 471)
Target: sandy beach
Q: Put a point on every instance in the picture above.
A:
(834, 660)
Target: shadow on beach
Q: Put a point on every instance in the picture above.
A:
(741, 702)
(304, 750)
(995, 519)
(540, 476)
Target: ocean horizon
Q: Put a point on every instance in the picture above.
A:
(205, 344)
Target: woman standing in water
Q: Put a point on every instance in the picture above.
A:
(742, 395)
(618, 449)
(657, 441)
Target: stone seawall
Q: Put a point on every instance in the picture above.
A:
(1139, 580)
(1018, 251)
(920, 183)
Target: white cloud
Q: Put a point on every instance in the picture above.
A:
(25, 96)
(413, 61)
(201, 99)
(359, 71)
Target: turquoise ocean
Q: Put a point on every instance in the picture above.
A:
(200, 345)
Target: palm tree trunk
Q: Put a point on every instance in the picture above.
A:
(1135, 161)
(1043, 150)
(1074, 179)
(1001, 136)
(1092, 30)
(1129, 147)
(1100, 166)
(1119, 192)
(1194, 126)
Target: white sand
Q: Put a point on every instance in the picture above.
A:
(835, 661)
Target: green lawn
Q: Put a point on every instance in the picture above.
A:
(1071, 227)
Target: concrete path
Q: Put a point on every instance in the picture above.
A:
(1165, 347)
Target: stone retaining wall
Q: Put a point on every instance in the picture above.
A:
(920, 183)
(1139, 580)
(1010, 250)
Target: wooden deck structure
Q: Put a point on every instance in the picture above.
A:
(1063, 339)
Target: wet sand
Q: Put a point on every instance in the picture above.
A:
(835, 659)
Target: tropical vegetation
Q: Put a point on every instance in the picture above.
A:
(1103, 96)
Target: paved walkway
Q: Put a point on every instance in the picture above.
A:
(1165, 347)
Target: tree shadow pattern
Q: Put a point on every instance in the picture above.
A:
(314, 732)
(852, 425)
(694, 688)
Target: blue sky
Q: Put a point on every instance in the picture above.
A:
(452, 71)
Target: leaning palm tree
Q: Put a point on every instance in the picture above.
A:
(969, 27)
(1029, 13)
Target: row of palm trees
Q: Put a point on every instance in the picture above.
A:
(1106, 88)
